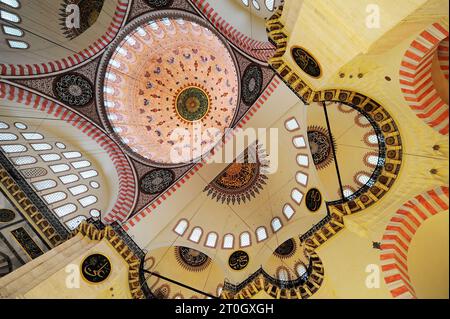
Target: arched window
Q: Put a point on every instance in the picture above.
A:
(32, 136)
(153, 25)
(7, 137)
(288, 211)
(244, 239)
(283, 274)
(261, 233)
(362, 178)
(70, 155)
(276, 224)
(166, 21)
(372, 160)
(299, 142)
(81, 164)
(228, 241)
(55, 197)
(88, 200)
(347, 191)
(372, 139)
(296, 196)
(14, 148)
(77, 190)
(15, 44)
(67, 179)
(301, 270)
(181, 227)
(12, 3)
(24, 160)
(301, 178)
(74, 222)
(45, 184)
(196, 234)
(58, 168)
(89, 174)
(9, 16)
(41, 146)
(115, 64)
(302, 160)
(270, 4)
(256, 4)
(50, 157)
(65, 210)
(291, 125)
(211, 240)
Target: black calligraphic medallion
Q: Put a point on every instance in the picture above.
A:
(96, 268)
(306, 62)
(159, 4)
(6, 215)
(313, 199)
(238, 260)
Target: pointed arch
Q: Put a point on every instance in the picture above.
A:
(398, 236)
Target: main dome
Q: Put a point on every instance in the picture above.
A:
(164, 79)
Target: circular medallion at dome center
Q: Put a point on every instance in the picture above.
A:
(192, 104)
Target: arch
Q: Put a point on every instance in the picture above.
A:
(443, 56)
(245, 239)
(181, 227)
(416, 79)
(127, 188)
(261, 234)
(211, 239)
(66, 57)
(398, 235)
(228, 241)
(196, 234)
(283, 274)
(276, 224)
(301, 269)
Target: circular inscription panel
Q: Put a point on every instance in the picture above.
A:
(313, 199)
(306, 62)
(238, 260)
(96, 268)
(6, 215)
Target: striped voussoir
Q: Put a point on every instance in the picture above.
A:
(127, 188)
(416, 80)
(399, 233)
(443, 57)
(260, 50)
(93, 49)
(158, 201)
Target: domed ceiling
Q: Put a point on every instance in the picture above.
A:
(168, 83)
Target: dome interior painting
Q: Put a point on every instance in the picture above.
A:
(224, 149)
(165, 77)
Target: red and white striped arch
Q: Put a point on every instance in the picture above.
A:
(92, 50)
(443, 56)
(127, 188)
(399, 233)
(259, 50)
(416, 80)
